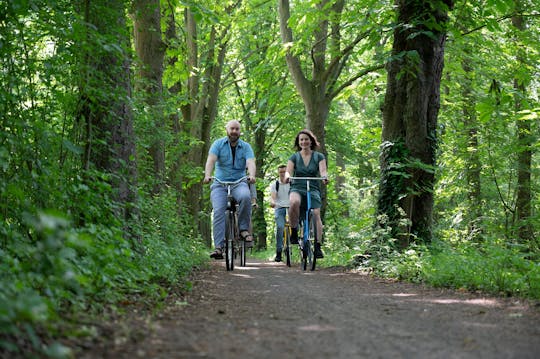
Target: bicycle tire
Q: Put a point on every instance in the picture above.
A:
(287, 245)
(229, 240)
(242, 253)
(311, 240)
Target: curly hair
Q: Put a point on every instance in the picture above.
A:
(314, 143)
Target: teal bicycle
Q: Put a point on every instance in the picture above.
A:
(307, 228)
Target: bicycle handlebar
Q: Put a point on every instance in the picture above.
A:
(229, 182)
(309, 178)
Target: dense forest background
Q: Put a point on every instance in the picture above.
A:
(427, 111)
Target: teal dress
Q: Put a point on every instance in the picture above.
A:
(311, 170)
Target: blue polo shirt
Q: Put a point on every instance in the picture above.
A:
(226, 170)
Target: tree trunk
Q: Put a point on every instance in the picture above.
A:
(105, 94)
(473, 164)
(201, 111)
(340, 184)
(410, 120)
(525, 143)
(177, 126)
(151, 51)
(259, 221)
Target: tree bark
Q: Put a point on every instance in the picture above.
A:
(105, 93)
(410, 112)
(151, 51)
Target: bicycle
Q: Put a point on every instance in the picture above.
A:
(307, 229)
(287, 248)
(234, 245)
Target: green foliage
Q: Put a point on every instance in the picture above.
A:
(64, 249)
(492, 268)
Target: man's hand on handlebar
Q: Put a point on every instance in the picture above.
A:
(207, 179)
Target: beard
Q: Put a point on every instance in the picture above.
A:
(233, 138)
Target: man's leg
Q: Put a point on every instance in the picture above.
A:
(218, 196)
(279, 216)
(242, 195)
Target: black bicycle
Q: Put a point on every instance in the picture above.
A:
(235, 247)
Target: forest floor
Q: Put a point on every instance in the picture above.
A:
(267, 310)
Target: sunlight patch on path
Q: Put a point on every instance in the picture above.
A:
(481, 301)
(318, 328)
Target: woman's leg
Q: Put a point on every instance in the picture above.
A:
(294, 208)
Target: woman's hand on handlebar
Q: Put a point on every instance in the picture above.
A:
(325, 180)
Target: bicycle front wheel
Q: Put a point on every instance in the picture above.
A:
(229, 240)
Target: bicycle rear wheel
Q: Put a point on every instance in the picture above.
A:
(229, 240)
(242, 253)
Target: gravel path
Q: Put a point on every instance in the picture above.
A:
(267, 310)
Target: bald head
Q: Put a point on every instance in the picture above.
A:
(232, 123)
(233, 131)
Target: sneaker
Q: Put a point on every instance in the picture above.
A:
(294, 236)
(278, 257)
(217, 254)
(318, 251)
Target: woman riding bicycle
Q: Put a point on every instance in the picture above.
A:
(306, 163)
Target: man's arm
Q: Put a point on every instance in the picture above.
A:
(252, 168)
(209, 167)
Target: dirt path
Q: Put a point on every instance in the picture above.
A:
(277, 312)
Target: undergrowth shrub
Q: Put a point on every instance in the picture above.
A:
(491, 266)
(52, 269)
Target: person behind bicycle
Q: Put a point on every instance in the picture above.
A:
(230, 156)
(306, 163)
(279, 201)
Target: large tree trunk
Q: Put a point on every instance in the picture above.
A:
(151, 51)
(105, 93)
(410, 119)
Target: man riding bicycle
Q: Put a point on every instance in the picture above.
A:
(230, 156)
